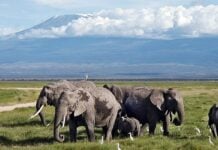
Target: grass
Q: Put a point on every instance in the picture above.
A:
(17, 132)
(13, 96)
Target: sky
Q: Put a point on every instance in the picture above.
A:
(17, 15)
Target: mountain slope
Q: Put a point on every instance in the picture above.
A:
(105, 56)
(53, 22)
(112, 57)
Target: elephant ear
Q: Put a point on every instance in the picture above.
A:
(157, 98)
(117, 93)
(175, 94)
(83, 98)
(48, 89)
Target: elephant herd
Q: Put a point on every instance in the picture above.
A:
(117, 110)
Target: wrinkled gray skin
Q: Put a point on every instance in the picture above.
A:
(91, 108)
(213, 119)
(128, 125)
(151, 105)
(50, 93)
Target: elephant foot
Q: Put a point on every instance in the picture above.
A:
(151, 133)
(92, 140)
(166, 133)
(73, 139)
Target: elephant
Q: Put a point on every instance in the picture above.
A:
(51, 92)
(90, 108)
(150, 106)
(213, 119)
(128, 125)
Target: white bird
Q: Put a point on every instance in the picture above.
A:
(179, 128)
(102, 140)
(147, 129)
(130, 136)
(86, 76)
(161, 129)
(210, 141)
(198, 131)
(118, 146)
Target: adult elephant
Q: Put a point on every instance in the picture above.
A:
(50, 94)
(152, 105)
(96, 107)
(213, 119)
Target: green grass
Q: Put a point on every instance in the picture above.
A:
(11, 96)
(22, 84)
(17, 132)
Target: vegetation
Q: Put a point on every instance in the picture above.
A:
(14, 96)
(17, 132)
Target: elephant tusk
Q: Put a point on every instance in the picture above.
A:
(50, 123)
(64, 121)
(159, 107)
(33, 116)
(166, 113)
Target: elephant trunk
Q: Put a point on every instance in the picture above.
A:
(59, 117)
(39, 104)
(180, 111)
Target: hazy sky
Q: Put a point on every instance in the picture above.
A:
(21, 14)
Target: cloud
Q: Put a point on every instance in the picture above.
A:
(164, 22)
(7, 31)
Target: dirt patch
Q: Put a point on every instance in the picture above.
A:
(12, 107)
(25, 89)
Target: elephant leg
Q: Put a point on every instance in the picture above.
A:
(105, 131)
(90, 127)
(138, 129)
(115, 129)
(73, 130)
(110, 126)
(152, 127)
(42, 118)
(143, 128)
(214, 130)
(166, 123)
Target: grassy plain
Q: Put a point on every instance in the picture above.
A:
(17, 132)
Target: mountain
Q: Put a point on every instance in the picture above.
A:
(106, 57)
(56, 21)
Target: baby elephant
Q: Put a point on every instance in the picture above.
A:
(128, 125)
(213, 119)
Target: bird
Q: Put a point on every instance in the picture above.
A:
(147, 129)
(179, 128)
(102, 140)
(161, 129)
(210, 131)
(118, 146)
(130, 136)
(198, 131)
(210, 141)
(86, 77)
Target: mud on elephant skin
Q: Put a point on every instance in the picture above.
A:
(50, 94)
(95, 108)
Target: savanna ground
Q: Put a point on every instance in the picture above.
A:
(17, 132)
